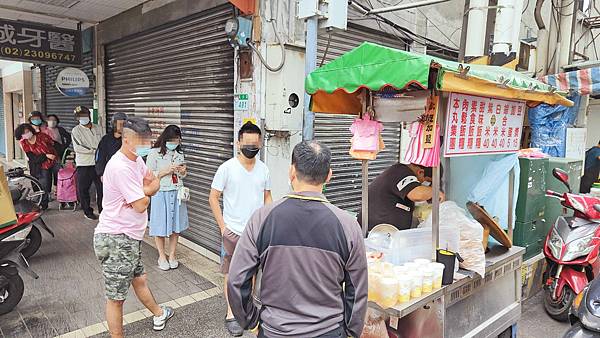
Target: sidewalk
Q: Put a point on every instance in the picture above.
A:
(67, 300)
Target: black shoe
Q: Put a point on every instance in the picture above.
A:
(91, 216)
(233, 327)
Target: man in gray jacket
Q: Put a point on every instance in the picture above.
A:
(312, 256)
(86, 137)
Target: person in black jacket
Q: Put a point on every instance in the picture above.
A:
(110, 143)
(61, 137)
(62, 141)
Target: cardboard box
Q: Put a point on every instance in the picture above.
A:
(7, 209)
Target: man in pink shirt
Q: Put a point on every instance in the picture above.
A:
(128, 185)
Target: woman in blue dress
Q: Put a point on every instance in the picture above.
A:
(168, 214)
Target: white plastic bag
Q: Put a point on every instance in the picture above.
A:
(471, 235)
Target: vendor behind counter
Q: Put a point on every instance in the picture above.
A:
(392, 195)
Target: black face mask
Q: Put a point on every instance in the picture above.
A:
(250, 151)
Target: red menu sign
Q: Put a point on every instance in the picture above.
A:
(480, 125)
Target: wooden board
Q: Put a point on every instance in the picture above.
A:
(490, 226)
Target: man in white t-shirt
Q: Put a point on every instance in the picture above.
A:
(245, 185)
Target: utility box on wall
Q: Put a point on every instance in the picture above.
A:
(284, 91)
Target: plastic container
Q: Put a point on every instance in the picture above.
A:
(411, 266)
(416, 289)
(408, 245)
(388, 292)
(400, 271)
(387, 268)
(438, 273)
(374, 286)
(427, 273)
(404, 288)
(422, 261)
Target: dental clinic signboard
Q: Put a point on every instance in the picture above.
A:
(35, 43)
(72, 82)
(481, 125)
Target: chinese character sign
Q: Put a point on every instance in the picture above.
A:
(479, 125)
(23, 41)
(429, 123)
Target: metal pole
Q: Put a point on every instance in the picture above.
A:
(310, 58)
(511, 193)
(365, 197)
(435, 212)
(406, 6)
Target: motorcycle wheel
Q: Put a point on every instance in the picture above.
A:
(13, 293)
(34, 242)
(558, 309)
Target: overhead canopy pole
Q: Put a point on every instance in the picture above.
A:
(405, 6)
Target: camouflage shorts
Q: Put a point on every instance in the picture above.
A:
(121, 260)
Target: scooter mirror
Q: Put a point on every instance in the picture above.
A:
(562, 176)
(597, 207)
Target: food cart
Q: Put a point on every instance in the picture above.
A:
(473, 305)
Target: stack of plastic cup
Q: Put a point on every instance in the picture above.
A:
(417, 283)
(404, 288)
(388, 292)
(438, 273)
(427, 273)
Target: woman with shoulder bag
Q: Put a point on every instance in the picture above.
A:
(41, 156)
(168, 210)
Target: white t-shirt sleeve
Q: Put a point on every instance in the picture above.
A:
(220, 178)
(267, 179)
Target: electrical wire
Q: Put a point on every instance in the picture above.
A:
(326, 50)
(442, 32)
(397, 27)
(262, 59)
(525, 9)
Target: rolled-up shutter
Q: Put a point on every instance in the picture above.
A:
(2, 126)
(182, 73)
(344, 190)
(63, 106)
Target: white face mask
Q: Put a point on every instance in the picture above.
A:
(52, 124)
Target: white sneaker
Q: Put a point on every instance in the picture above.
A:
(163, 265)
(173, 263)
(161, 322)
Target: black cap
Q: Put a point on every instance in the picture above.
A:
(35, 113)
(139, 125)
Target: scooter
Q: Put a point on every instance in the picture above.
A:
(571, 250)
(24, 203)
(584, 315)
(12, 240)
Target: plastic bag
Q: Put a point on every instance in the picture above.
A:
(374, 325)
(549, 126)
(471, 235)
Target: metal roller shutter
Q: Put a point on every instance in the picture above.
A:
(2, 126)
(63, 106)
(344, 190)
(186, 68)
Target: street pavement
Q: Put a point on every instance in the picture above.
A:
(67, 300)
(535, 323)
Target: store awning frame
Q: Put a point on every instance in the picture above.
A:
(335, 87)
(582, 81)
